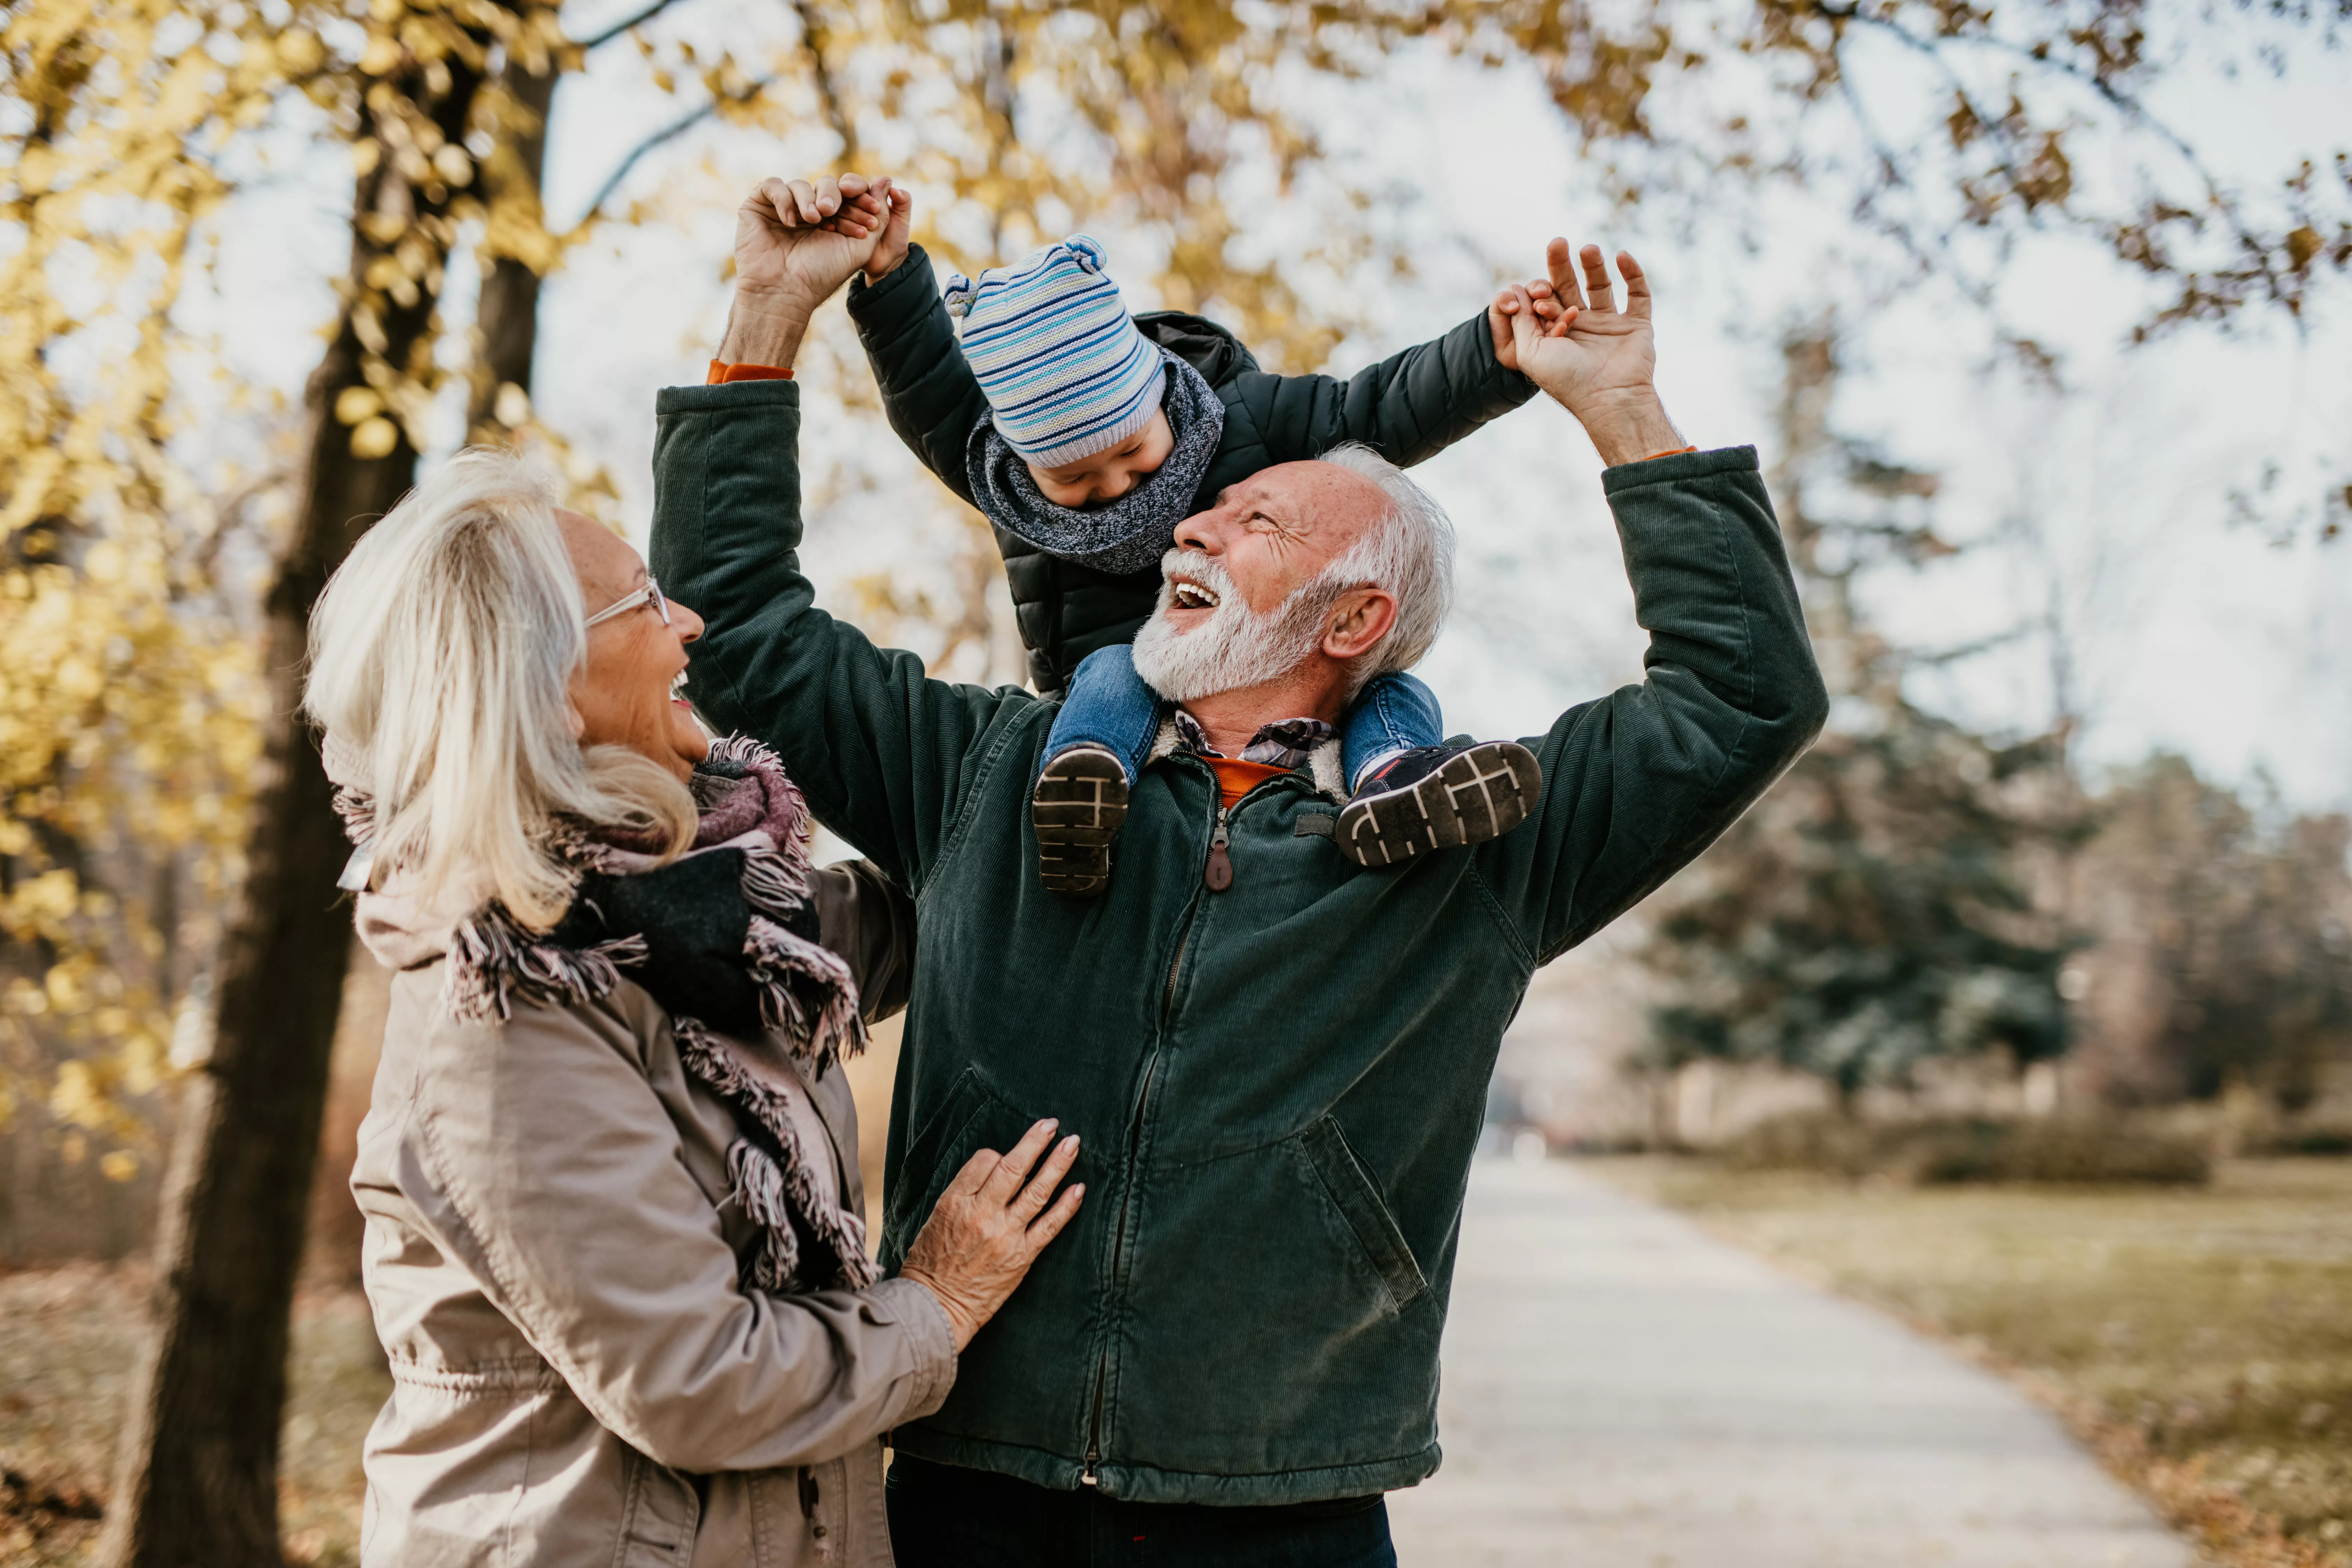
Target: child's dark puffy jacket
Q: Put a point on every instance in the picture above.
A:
(1409, 408)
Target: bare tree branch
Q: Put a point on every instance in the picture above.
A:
(670, 132)
(828, 92)
(597, 40)
(2124, 103)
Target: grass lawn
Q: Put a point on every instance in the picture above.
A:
(69, 1338)
(2200, 1338)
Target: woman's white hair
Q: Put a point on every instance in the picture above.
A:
(441, 658)
(1408, 550)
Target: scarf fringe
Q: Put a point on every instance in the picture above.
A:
(758, 1184)
(742, 751)
(763, 1186)
(775, 884)
(356, 810)
(806, 993)
(493, 961)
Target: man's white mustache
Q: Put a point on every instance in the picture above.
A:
(1207, 587)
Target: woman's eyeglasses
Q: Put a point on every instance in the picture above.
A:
(651, 593)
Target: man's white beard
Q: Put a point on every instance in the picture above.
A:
(1235, 648)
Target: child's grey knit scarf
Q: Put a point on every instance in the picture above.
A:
(1124, 535)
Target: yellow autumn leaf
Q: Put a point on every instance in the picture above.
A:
(300, 51)
(374, 438)
(513, 407)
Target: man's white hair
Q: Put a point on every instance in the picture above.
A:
(441, 658)
(1408, 550)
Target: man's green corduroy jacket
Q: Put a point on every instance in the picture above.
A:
(1279, 1085)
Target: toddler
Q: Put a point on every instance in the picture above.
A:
(1084, 435)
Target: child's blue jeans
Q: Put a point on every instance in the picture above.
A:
(1109, 706)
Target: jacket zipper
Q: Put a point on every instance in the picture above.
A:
(1134, 1141)
(1218, 873)
(1118, 1243)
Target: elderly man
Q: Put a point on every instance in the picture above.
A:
(1276, 1059)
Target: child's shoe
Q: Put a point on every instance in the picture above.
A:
(1078, 805)
(1438, 797)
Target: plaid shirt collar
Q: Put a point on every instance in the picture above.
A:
(1284, 743)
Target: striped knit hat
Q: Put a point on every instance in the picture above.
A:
(1056, 353)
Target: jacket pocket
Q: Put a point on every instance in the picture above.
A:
(1358, 1198)
(1027, 1380)
(920, 1184)
(1260, 1330)
(659, 1516)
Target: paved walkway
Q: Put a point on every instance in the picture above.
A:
(1622, 1391)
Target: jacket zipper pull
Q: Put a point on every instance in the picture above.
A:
(1219, 872)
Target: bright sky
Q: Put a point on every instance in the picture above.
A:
(2186, 633)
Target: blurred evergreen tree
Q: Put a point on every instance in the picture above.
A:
(1876, 910)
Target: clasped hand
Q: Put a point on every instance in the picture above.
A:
(1598, 361)
(797, 241)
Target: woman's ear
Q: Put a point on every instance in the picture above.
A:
(1360, 620)
(579, 720)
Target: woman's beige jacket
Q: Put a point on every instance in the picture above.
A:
(553, 1262)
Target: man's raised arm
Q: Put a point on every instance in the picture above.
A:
(1638, 782)
(885, 755)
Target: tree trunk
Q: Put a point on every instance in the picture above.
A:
(507, 320)
(197, 1482)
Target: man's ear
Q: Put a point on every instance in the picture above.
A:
(1360, 619)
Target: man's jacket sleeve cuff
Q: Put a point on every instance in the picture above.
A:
(1677, 466)
(728, 395)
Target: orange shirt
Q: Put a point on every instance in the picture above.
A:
(721, 372)
(1236, 778)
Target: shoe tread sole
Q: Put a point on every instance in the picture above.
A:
(1078, 809)
(1480, 795)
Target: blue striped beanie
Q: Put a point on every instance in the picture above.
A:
(1057, 353)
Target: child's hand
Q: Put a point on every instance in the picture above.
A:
(1551, 319)
(868, 205)
(861, 207)
(891, 249)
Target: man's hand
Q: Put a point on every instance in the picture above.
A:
(867, 204)
(1598, 361)
(796, 242)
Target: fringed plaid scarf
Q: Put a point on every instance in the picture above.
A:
(724, 937)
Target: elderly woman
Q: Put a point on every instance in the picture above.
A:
(610, 1174)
